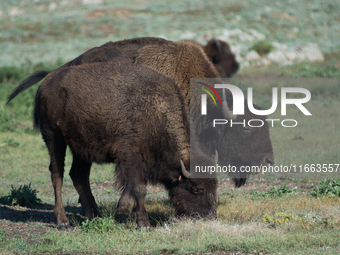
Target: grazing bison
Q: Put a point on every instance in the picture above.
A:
(181, 61)
(220, 55)
(238, 145)
(128, 114)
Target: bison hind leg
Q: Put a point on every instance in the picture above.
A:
(57, 149)
(80, 175)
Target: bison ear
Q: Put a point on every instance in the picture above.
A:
(218, 45)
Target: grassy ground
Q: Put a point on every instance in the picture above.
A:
(271, 214)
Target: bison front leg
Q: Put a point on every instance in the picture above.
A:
(80, 175)
(133, 170)
(124, 201)
(139, 212)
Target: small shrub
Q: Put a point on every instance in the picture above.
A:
(275, 192)
(327, 188)
(23, 196)
(101, 225)
(262, 47)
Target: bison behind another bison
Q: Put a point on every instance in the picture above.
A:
(220, 55)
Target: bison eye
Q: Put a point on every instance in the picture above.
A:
(215, 59)
(246, 130)
(196, 191)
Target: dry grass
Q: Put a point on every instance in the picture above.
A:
(247, 210)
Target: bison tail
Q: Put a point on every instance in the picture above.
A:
(27, 83)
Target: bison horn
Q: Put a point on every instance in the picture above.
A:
(218, 46)
(228, 114)
(185, 173)
(216, 157)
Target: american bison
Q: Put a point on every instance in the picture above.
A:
(181, 61)
(220, 55)
(128, 114)
(239, 145)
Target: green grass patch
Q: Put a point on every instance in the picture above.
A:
(38, 35)
(274, 192)
(3, 234)
(101, 225)
(327, 188)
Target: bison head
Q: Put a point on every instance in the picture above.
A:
(220, 55)
(194, 197)
(240, 145)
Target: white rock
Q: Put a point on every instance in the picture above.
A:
(268, 9)
(257, 35)
(15, 11)
(252, 56)
(238, 17)
(244, 64)
(280, 46)
(277, 57)
(52, 6)
(263, 62)
(92, 1)
(291, 55)
(295, 29)
(311, 52)
(239, 48)
(188, 35)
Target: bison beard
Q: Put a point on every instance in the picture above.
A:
(131, 115)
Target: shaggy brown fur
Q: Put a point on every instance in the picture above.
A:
(179, 60)
(182, 61)
(128, 114)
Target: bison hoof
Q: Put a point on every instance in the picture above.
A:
(63, 226)
(148, 229)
